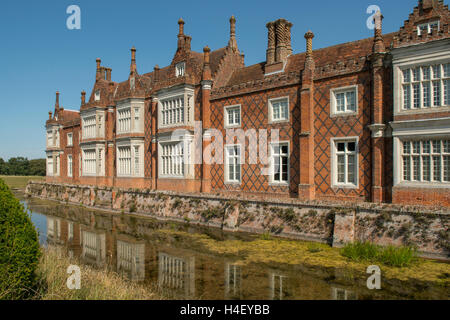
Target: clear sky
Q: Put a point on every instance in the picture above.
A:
(40, 55)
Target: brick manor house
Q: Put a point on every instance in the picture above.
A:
(365, 121)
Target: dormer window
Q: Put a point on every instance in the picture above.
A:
(428, 27)
(180, 69)
(97, 95)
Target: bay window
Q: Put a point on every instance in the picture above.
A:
(426, 86)
(426, 160)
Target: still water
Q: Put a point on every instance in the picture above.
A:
(142, 250)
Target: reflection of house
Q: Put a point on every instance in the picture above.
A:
(93, 247)
(342, 294)
(131, 259)
(233, 280)
(53, 230)
(279, 289)
(177, 274)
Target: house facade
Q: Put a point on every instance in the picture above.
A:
(365, 121)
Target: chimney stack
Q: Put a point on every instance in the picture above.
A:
(49, 115)
(232, 43)
(206, 69)
(156, 73)
(108, 74)
(378, 43)
(279, 41)
(57, 100)
(98, 73)
(133, 61)
(427, 4)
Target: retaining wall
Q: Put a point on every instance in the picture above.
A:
(323, 222)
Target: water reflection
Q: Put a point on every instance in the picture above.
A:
(139, 249)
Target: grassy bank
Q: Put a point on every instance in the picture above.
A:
(96, 284)
(20, 182)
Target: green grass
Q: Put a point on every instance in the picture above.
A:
(20, 182)
(390, 255)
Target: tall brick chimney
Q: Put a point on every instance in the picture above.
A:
(427, 4)
(57, 101)
(279, 44)
(98, 74)
(133, 68)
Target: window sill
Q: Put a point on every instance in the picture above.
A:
(279, 184)
(236, 126)
(345, 186)
(344, 114)
(279, 121)
(428, 185)
(233, 183)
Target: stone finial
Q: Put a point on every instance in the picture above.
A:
(49, 115)
(181, 26)
(232, 42)
(378, 45)
(83, 98)
(309, 36)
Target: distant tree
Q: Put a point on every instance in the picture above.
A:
(37, 167)
(19, 166)
(3, 166)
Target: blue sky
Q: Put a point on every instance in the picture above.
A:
(39, 55)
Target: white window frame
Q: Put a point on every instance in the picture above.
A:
(272, 181)
(133, 172)
(97, 95)
(422, 83)
(169, 115)
(227, 109)
(186, 140)
(70, 139)
(420, 155)
(343, 90)
(428, 25)
(69, 165)
(227, 177)
(180, 69)
(50, 166)
(130, 116)
(270, 107)
(334, 163)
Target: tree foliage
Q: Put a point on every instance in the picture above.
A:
(19, 248)
(20, 166)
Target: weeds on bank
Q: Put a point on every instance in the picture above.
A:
(96, 284)
(390, 255)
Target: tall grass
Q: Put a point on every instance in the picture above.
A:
(390, 255)
(96, 284)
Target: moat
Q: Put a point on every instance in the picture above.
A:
(189, 262)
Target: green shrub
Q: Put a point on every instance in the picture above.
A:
(19, 248)
(390, 255)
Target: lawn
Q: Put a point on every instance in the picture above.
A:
(20, 182)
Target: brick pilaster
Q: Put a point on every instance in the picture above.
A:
(306, 188)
